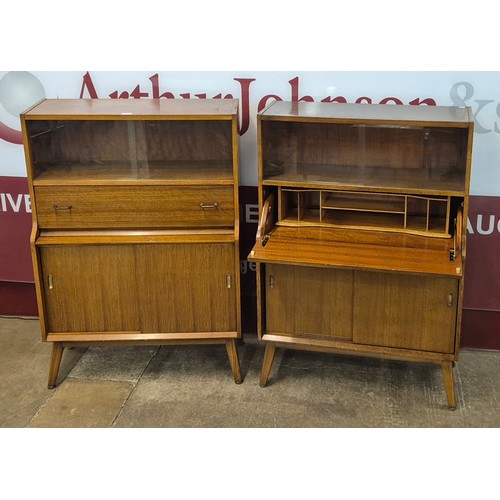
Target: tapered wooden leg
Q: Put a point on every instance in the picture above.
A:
(267, 363)
(55, 363)
(232, 353)
(449, 384)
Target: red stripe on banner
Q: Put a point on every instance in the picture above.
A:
(18, 299)
(10, 135)
(15, 230)
(481, 330)
(482, 275)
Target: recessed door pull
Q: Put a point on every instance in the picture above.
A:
(450, 299)
(229, 281)
(50, 282)
(213, 205)
(65, 207)
(271, 281)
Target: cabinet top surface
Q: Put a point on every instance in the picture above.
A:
(130, 108)
(309, 111)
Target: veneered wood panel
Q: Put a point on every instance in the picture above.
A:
(146, 173)
(375, 113)
(91, 289)
(309, 301)
(410, 312)
(92, 207)
(312, 246)
(184, 287)
(133, 109)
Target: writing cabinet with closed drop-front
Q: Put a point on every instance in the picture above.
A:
(135, 222)
(361, 240)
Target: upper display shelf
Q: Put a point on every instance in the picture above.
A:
(123, 173)
(390, 180)
(406, 149)
(125, 151)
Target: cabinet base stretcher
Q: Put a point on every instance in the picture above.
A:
(59, 346)
(446, 361)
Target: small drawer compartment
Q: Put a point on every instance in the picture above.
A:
(86, 207)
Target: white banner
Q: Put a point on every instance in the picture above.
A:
(479, 90)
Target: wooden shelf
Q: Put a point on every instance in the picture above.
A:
(309, 218)
(390, 180)
(368, 203)
(427, 216)
(123, 173)
(434, 227)
(365, 220)
(143, 236)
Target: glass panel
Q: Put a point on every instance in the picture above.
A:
(353, 155)
(130, 150)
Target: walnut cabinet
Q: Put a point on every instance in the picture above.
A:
(361, 243)
(135, 222)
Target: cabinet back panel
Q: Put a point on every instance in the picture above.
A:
(188, 140)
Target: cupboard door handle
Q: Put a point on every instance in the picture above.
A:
(59, 208)
(450, 299)
(229, 281)
(213, 205)
(271, 281)
(50, 282)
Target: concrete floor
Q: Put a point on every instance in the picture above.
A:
(192, 386)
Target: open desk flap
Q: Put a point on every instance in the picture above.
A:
(352, 249)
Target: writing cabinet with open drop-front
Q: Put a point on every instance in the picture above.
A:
(135, 222)
(362, 233)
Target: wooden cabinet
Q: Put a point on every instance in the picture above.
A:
(362, 234)
(135, 222)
